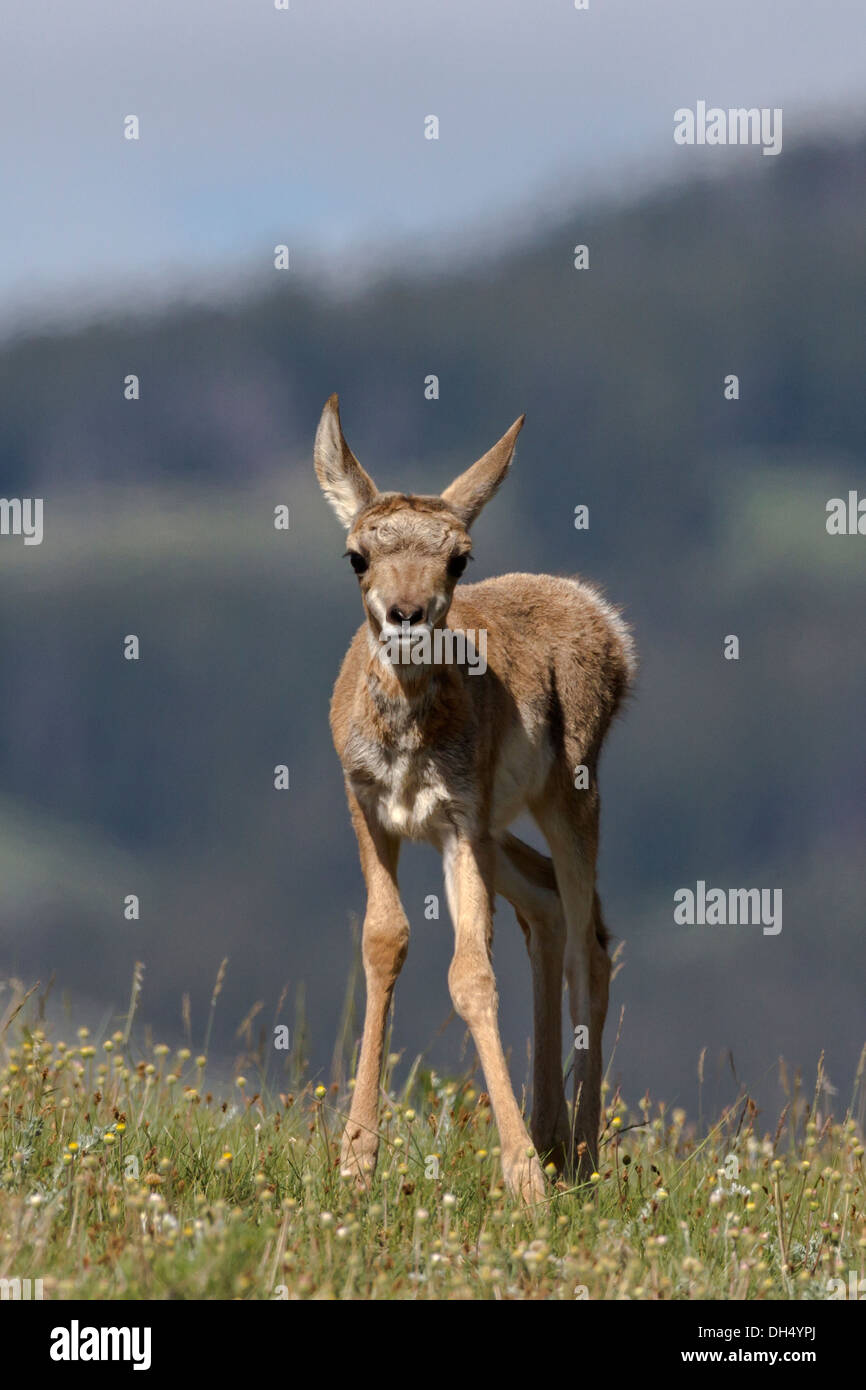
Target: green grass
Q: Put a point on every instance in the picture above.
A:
(124, 1176)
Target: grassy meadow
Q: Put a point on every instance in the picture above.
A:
(125, 1174)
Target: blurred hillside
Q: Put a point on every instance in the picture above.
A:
(707, 517)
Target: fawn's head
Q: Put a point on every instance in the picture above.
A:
(407, 551)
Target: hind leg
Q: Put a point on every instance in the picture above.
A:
(527, 880)
(571, 830)
(589, 1108)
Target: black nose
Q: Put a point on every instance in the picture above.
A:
(404, 612)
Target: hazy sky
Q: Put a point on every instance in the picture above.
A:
(260, 126)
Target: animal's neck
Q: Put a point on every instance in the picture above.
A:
(408, 700)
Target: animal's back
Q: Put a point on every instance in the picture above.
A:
(550, 633)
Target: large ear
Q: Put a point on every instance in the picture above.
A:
(468, 493)
(343, 481)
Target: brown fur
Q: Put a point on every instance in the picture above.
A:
(434, 753)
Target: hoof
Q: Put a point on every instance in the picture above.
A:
(525, 1179)
(358, 1155)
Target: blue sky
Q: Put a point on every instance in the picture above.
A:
(306, 127)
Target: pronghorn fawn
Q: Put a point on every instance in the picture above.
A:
(450, 753)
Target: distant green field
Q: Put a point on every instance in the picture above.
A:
(122, 1176)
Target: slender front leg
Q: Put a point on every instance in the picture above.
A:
(384, 945)
(469, 884)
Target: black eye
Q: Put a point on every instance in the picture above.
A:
(360, 564)
(457, 564)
